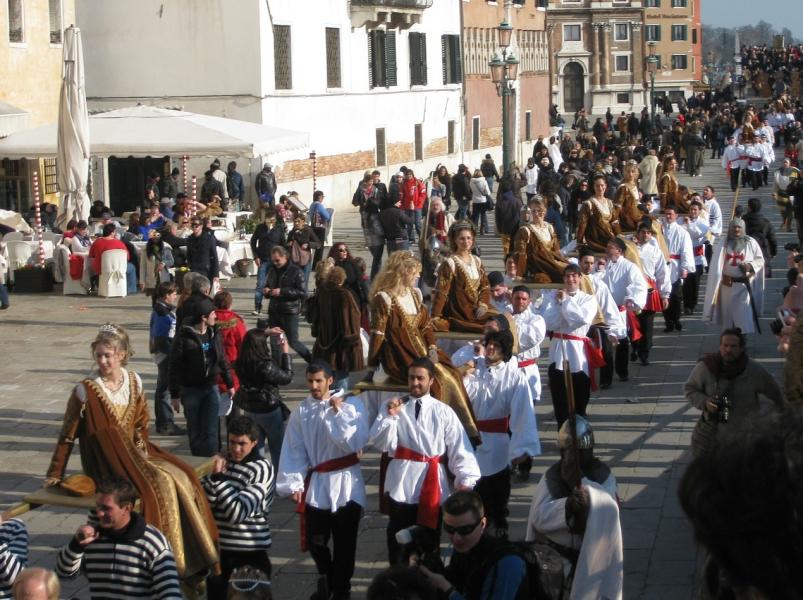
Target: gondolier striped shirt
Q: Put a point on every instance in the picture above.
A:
(13, 553)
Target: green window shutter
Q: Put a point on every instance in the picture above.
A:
(390, 58)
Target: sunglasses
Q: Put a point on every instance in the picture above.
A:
(462, 530)
(247, 585)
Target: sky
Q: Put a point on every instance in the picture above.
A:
(735, 13)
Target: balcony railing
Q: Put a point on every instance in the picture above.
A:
(415, 4)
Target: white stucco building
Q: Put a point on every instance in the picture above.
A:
(375, 82)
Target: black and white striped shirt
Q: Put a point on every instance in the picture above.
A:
(13, 553)
(137, 563)
(241, 497)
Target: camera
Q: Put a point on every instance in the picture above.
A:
(417, 547)
(792, 247)
(776, 325)
(723, 403)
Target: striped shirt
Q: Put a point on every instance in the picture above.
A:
(13, 553)
(137, 563)
(241, 497)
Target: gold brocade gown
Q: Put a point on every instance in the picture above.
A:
(401, 331)
(627, 201)
(113, 441)
(536, 251)
(595, 227)
(460, 289)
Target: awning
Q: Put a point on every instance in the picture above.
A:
(12, 119)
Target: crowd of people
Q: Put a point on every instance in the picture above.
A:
(598, 236)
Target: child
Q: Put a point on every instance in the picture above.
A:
(162, 330)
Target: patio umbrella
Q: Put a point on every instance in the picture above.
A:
(72, 152)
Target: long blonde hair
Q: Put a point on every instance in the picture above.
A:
(116, 337)
(391, 277)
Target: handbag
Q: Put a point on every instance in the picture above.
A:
(255, 400)
(298, 255)
(489, 202)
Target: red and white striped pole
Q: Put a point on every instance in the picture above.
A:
(194, 196)
(38, 212)
(184, 160)
(314, 158)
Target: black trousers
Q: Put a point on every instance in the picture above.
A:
(691, 288)
(734, 178)
(318, 255)
(600, 334)
(755, 179)
(495, 493)
(709, 251)
(645, 321)
(337, 565)
(672, 312)
(581, 384)
(217, 585)
(619, 364)
(401, 516)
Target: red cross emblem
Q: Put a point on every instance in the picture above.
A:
(734, 257)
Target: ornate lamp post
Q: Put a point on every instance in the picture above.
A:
(652, 69)
(504, 71)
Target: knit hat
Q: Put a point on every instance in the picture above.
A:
(203, 307)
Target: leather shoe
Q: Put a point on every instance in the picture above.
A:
(669, 328)
(633, 357)
(678, 325)
(172, 430)
(644, 361)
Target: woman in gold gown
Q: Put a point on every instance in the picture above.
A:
(108, 415)
(596, 222)
(401, 331)
(627, 200)
(668, 183)
(461, 297)
(536, 248)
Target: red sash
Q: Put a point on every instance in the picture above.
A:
(500, 425)
(632, 324)
(594, 355)
(699, 251)
(527, 362)
(654, 303)
(327, 466)
(674, 256)
(429, 502)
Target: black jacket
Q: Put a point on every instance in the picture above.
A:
(211, 187)
(265, 376)
(191, 367)
(264, 239)
(461, 187)
(169, 187)
(202, 254)
(507, 213)
(290, 281)
(759, 228)
(187, 307)
(394, 222)
(354, 280)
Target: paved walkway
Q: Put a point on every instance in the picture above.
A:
(642, 427)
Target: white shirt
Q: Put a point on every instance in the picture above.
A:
(653, 263)
(755, 157)
(697, 232)
(714, 216)
(316, 434)
(497, 392)
(573, 316)
(768, 151)
(436, 432)
(626, 282)
(614, 319)
(531, 331)
(531, 176)
(76, 247)
(679, 244)
(733, 155)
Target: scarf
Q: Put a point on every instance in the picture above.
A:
(722, 370)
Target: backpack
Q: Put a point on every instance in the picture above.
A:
(545, 579)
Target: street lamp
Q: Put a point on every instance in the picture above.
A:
(504, 71)
(652, 69)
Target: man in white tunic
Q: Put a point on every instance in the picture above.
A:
(531, 331)
(698, 232)
(732, 161)
(502, 402)
(569, 313)
(416, 431)
(629, 290)
(580, 518)
(605, 334)
(711, 205)
(737, 272)
(659, 288)
(754, 156)
(681, 262)
(319, 469)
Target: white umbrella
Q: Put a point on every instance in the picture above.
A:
(72, 153)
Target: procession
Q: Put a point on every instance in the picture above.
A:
(567, 374)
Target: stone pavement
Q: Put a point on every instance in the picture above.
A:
(642, 427)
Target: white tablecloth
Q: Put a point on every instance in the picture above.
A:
(231, 218)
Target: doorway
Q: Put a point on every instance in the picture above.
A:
(127, 178)
(573, 88)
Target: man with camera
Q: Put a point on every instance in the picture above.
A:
(416, 430)
(727, 386)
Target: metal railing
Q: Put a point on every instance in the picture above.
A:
(394, 3)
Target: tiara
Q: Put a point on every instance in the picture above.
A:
(108, 328)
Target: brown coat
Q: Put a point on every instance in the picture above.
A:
(335, 322)
(115, 443)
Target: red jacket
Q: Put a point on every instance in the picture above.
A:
(99, 246)
(232, 329)
(415, 194)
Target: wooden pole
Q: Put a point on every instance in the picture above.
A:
(184, 163)
(314, 157)
(38, 212)
(194, 196)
